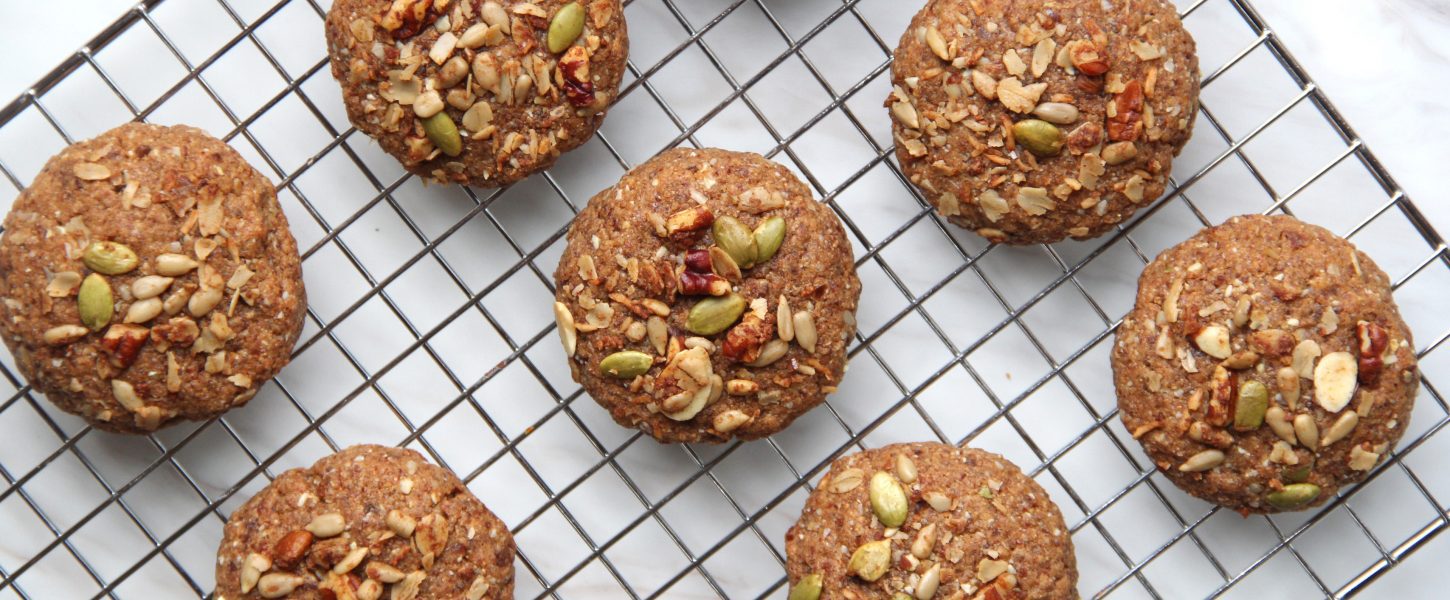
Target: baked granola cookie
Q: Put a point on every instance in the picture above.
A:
(148, 275)
(368, 522)
(1265, 365)
(707, 296)
(477, 92)
(929, 520)
(1032, 121)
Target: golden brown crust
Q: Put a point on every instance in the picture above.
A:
(555, 111)
(471, 550)
(966, 71)
(1266, 295)
(157, 190)
(621, 265)
(993, 532)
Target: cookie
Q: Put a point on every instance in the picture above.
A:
(368, 522)
(478, 93)
(148, 275)
(1264, 365)
(707, 296)
(1033, 121)
(929, 520)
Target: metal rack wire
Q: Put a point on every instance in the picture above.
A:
(598, 511)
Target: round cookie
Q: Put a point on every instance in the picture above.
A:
(707, 296)
(479, 93)
(148, 275)
(1265, 365)
(380, 522)
(1032, 121)
(929, 520)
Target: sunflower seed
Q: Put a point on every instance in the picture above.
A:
(149, 286)
(327, 525)
(805, 330)
(64, 334)
(174, 265)
(277, 585)
(1202, 461)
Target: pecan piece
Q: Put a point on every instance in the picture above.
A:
(1085, 137)
(698, 261)
(181, 331)
(1272, 342)
(1127, 123)
(703, 284)
(291, 548)
(405, 18)
(686, 227)
(1373, 340)
(574, 65)
(744, 341)
(123, 342)
(1086, 57)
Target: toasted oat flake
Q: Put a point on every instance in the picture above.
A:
(1035, 200)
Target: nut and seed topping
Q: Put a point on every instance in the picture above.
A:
(925, 542)
(400, 523)
(568, 334)
(252, 568)
(94, 302)
(327, 525)
(109, 258)
(1252, 404)
(291, 548)
(626, 364)
(1038, 137)
(1202, 461)
(871, 560)
(278, 585)
(61, 335)
(768, 235)
(90, 171)
(847, 480)
(150, 286)
(1293, 496)
(930, 581)
(715, 314)
(565, 27)
(443, 133)
(1336, 378)
(735, 239)
(174, 265)
(1340, 429)
(888, 500)
(808, 588)
(805, 330)
(1057, 113)
(1307, 431)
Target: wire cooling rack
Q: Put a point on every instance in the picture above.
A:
(430, 321)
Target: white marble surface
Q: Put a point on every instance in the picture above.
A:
(1386, 65)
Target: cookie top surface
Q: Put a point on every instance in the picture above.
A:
(148, 275)
(1265, 365)
(517, 83)
(1035, 121)
(895, 519)
(707, 296)
(372, 518)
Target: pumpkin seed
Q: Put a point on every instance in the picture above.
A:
(1249, 411)
(723, 264)
(94, 302)
(566, 26)
(1038, 137)
(871, 560)
(109, 258)
(808, 588)
(1293, 496)
(714, 315)
(626, 364)
(443, 133)
(1299, 474)
(888, 500)
(768, 237)
(737, 240)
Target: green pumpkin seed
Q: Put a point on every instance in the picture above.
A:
(109, 258)
(714, 315)
(888, 500)
(808, 588)
(1253, 401)
(627, 364)
(568, 23)
(768, 237)
(1298, 474)
(443, 133)
(871, 560)
(1038, 137)
(736, 239)
(94, 302)
(1293, 496)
